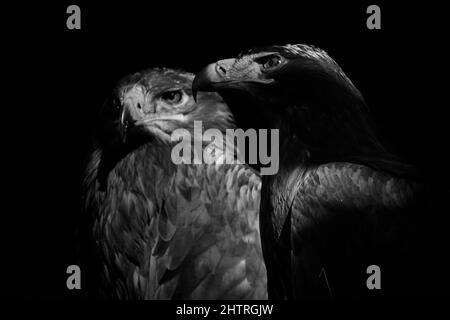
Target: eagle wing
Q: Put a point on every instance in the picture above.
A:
(341, 218)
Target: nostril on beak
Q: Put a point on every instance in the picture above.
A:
(221, 69)
(138, 105)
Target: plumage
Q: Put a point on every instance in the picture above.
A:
(340, 201)
(166, 231)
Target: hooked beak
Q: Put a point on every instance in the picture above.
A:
(212, 77)
(127, 123)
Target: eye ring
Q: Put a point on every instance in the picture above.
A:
(270, 61)
(172, 96)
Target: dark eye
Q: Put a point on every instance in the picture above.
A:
(269, 62)
(172, 97)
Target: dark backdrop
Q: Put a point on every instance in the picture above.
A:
(66, 75)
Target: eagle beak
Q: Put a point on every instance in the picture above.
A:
(126, 123)
(212, 77)
(217, 77)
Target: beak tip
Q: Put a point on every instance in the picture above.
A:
(212, 77)
(205, 80)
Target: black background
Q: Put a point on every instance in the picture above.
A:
(61, 78)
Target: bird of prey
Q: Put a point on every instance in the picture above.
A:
(162, 230)
(340, 202)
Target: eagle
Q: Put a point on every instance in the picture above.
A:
(341, 203)
(159, 230)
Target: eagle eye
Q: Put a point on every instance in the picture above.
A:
(270, 61)
(172, 97)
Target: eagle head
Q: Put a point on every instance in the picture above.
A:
(151, 104)
(303, 92)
